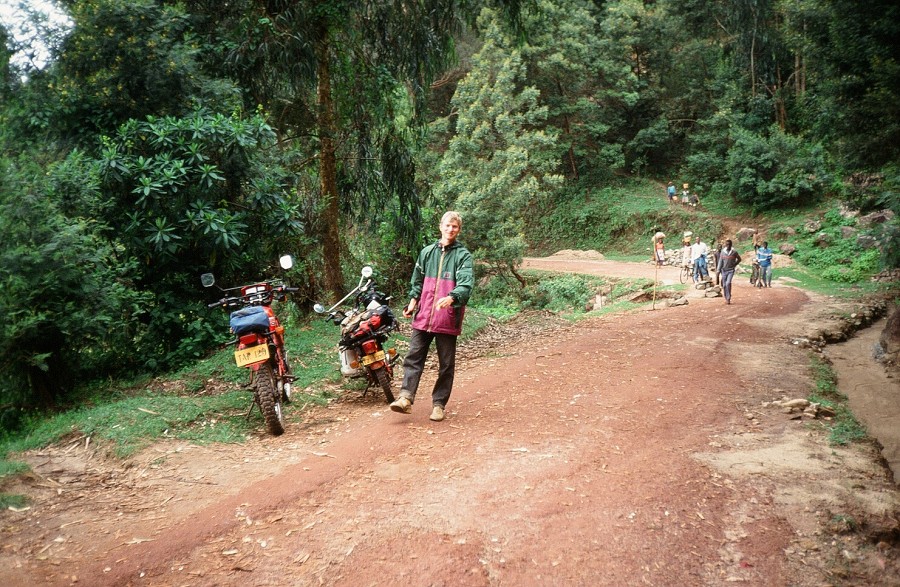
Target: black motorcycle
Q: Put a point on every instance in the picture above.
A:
(365, 328)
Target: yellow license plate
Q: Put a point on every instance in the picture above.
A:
(253, 354)
(369, 359)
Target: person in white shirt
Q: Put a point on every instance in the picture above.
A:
(698, 259)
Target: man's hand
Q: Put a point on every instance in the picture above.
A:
(410, 308)
(444, 302)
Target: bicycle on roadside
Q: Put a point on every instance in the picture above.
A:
(687, 271)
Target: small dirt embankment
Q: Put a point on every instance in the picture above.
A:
(629, 449)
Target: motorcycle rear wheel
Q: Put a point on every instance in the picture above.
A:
(384, 380)
(269, 400)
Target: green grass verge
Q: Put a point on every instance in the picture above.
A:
(12, 468)
(804, 278)
(845, 428)
(616, 219)
(187, 404)
(13, 500)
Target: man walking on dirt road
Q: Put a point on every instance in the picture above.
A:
(439, 290)
(728, 262)
(764, 256)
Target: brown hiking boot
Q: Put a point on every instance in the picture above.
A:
(437, 414)
(402, 405)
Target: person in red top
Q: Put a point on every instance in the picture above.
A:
(439, 291)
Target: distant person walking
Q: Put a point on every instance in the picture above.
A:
(699, 251)
(659, 249)
(686, 249)
(764, 258)
(728, 262)
(671, 192)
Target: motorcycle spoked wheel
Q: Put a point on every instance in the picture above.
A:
(384, 380)
(269, 399)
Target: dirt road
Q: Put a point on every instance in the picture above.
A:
(631, 449)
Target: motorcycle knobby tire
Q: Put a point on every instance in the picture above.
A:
(384, 380)
(269, 401)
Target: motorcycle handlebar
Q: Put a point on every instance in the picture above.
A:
(243, 300)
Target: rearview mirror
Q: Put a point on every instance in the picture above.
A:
(207, 279)
(367, 272)
(319, 309)
(286, 261)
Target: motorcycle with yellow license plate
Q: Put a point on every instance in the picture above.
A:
(259, 342)
(365, 328)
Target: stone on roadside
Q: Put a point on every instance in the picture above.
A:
(866, 241)
(823, 239)
(812, 226)
(744, 234)
(879, 217)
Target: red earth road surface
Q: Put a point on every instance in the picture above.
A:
(584, 454)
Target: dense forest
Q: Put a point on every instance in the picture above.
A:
(144, 142)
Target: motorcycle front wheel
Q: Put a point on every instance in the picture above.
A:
(384, 380)
(269, 399)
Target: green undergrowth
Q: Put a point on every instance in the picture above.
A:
(13, 500)
(831, 247)
(844, 428)
(570, 295)
(617, 219)
(205, 402)
(809, 280)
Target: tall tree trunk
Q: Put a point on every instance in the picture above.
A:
(568, 132)
(778, 94)
(331, 242)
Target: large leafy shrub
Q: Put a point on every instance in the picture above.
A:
(774, 169)
(69, 309)
(835, 257)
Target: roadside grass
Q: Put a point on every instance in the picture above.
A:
(629, 257)
(12, 468)
(568, 295)
(202, 403)
(616, 219)
(845, 428)
(724, 206)
(804, 278)
(13, 500)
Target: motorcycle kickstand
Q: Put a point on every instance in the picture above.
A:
(251, 386)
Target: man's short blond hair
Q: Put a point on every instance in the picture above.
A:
(452, 215)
